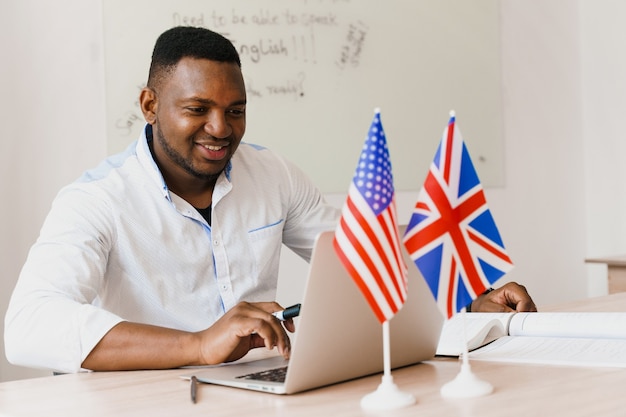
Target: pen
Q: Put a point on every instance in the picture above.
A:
(194, 388)
(288, 313)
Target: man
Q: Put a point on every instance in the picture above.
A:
(167, 254)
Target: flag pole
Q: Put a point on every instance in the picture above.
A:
(386, 353)
(387, 396)
(372, 193)
(466, 384)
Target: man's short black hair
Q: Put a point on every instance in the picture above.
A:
(188, 42)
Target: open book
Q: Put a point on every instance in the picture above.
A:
(593, 339)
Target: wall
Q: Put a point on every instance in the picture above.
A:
(52, 104)
(325, 76)
(604, 105)
(562, 75)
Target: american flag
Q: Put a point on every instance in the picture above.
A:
(367, 240)
(451, 236)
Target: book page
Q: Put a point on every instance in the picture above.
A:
(572, 324)
(555, 351)
(480, 329)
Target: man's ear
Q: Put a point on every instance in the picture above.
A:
(148, 104)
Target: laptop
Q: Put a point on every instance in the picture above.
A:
(337, 336)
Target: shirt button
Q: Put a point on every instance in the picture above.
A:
(216, 243)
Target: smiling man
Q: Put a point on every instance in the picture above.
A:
(167, 254)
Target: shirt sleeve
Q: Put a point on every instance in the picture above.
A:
(309, 213)
(51, 322)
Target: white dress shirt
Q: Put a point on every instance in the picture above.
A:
(117, 245)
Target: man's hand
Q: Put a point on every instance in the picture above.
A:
(246, 326)
(510, 297)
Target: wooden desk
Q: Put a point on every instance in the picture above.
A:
(520, 390)
(616, 271)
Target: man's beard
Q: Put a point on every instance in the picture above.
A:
(179, 160)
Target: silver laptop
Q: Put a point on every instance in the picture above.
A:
(337, 335)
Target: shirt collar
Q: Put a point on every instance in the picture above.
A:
(147, 161)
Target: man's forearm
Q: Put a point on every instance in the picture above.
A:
(130, 346)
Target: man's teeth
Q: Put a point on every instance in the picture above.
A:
(213, 148)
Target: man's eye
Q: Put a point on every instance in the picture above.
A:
(197, 109)
(237, 112)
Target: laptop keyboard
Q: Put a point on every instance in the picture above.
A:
(274, 375)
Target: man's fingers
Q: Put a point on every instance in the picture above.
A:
(526, 306)
(270, 333)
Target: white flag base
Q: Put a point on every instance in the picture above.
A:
(386, 397)
(466, 385)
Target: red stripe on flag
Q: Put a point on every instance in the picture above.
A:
(490, 248)
(452, 284)
(448, 164)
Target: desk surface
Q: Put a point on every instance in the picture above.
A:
(520, 390)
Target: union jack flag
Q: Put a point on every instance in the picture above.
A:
(367, 239)
(451, 236)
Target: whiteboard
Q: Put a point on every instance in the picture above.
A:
(315, 70)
